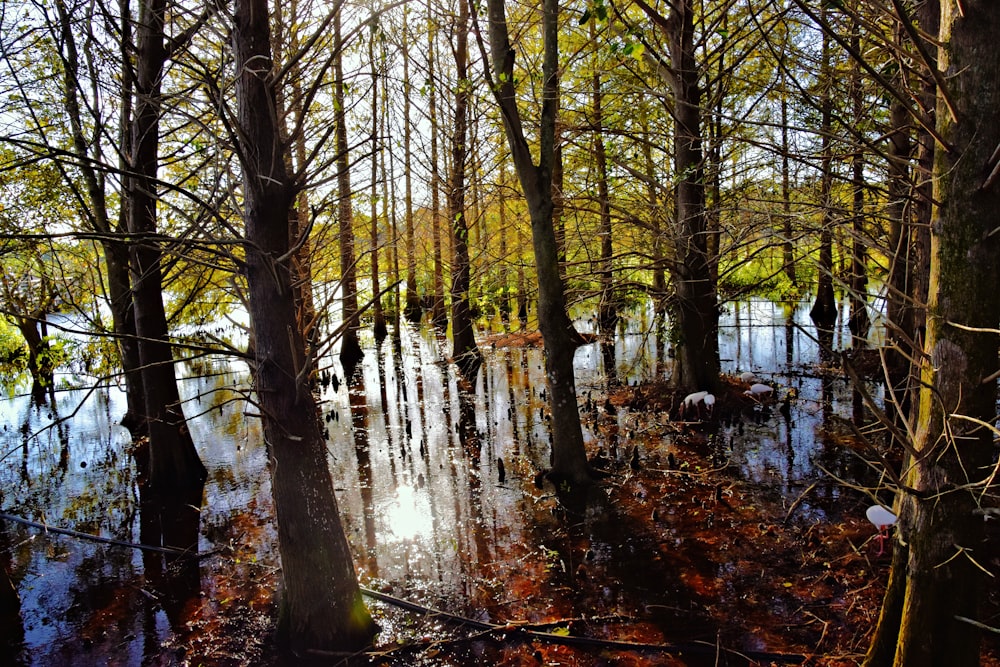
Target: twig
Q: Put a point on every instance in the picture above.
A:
(981, 626)
(799, 500)
(184, 553)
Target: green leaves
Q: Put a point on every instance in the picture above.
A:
(597, 10)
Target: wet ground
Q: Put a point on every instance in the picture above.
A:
(741, 540)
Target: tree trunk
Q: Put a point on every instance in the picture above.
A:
(787, 247)
(173, 460)
(941, 519)
(388, 174)
(350, 348)
(413, 309)
(569, 460)
(39, 363)
(659, 284)
(859, 322)
(322, 609)
(378, 316)
(697, 357)
(464, 350)
(558, 200)
(286, 40)
(824, 310)
(501, 269)
(115, 253)
(608, 308)
(438, 315)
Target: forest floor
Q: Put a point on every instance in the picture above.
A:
(707, 570)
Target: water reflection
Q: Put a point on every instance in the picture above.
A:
(417, 462)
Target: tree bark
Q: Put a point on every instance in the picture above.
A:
(940, 519)
(697, 356)
(286, 40)
(322, 609)
(858, 322)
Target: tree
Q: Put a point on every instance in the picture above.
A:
(291, 115)
(608, 308)
(569, 461)
(438, 314)
(464, 350)
(413, 310)
(92, 204)
(173, 460)
(824, 309)
(28, 295)
(697, 309)
(940, 526)
(322, 610)
(378, 316)
(350, 349)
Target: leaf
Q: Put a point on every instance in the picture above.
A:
(585, 17)
(561, 632)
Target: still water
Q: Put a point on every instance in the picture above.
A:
(434, 485)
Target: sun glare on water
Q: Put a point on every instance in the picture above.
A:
(408, 515)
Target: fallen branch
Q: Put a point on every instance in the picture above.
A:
(171, 551)
(516, 631)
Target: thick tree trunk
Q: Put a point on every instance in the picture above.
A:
(941, 520)
(173, 460)
(569, 460)
(465, 352)
(322, 609)
(697, 357)
(120, 304)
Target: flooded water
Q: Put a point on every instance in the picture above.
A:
(436, 488)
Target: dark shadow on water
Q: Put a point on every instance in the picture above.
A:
(172, 520)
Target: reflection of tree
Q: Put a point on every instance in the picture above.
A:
(171, 520)
(11, 623)
(471, 444)
(359, 425)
